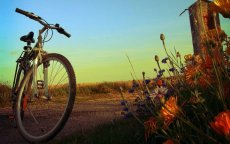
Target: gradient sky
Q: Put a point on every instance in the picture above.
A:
(103, 32)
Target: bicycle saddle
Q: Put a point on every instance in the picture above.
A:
(29, 38)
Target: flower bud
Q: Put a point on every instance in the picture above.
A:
(156, 58)
(177, 54)
(143, 74)
(162, 37)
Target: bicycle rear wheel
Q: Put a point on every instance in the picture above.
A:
(40, 117)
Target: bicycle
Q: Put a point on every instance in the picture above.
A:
(44, 86)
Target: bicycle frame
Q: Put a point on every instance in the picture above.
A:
(24, 64)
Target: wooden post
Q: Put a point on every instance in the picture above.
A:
(201, 21)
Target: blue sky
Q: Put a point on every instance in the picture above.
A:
(103, 32)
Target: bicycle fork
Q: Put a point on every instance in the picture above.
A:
(40, 84)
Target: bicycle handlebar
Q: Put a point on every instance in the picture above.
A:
(41, 21)
(28, 14)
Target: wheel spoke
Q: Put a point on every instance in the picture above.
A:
(45, 112)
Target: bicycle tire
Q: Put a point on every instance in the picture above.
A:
(20, 119)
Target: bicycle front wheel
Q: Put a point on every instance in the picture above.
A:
(41, 115)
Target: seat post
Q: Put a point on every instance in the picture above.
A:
(28, 46)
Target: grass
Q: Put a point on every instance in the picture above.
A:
(102, 88)
(5, 94)
(85, 92)
(118, 132)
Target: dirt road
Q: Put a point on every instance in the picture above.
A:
(85, 115)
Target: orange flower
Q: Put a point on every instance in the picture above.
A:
(199, 71)
(195, 75)
(188, 57)
(159, 82)
(150, 127)
(169, 141)
(221, 123)
(169, 110)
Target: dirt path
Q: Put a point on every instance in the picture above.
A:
(85, 115)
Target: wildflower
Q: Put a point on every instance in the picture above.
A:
(172, 69)
(147, 81)
(198, 60)
(150, 127)
(195, 74)
(162, 37)
(159, 75)
(169, 110)
(169, 141)
(164, 60)
(188, 58)
(123, 102)
(135, 84)
(156, 58)
(159, 82)
(162, 71)
(221, 123)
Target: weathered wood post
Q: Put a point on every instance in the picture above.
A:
(201, 21)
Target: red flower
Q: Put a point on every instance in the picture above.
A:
(221, 123)
(169, 141)
(159, 82)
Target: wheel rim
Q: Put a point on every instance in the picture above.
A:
(43, 114)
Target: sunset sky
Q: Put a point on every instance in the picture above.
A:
(103, 32)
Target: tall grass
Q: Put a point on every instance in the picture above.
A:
(5, 94)
(83, 90)
(102, 88)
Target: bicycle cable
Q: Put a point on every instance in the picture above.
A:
(47, 33)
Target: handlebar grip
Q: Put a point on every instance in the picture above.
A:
(62, 31)
(67, 34)
(21, 11)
